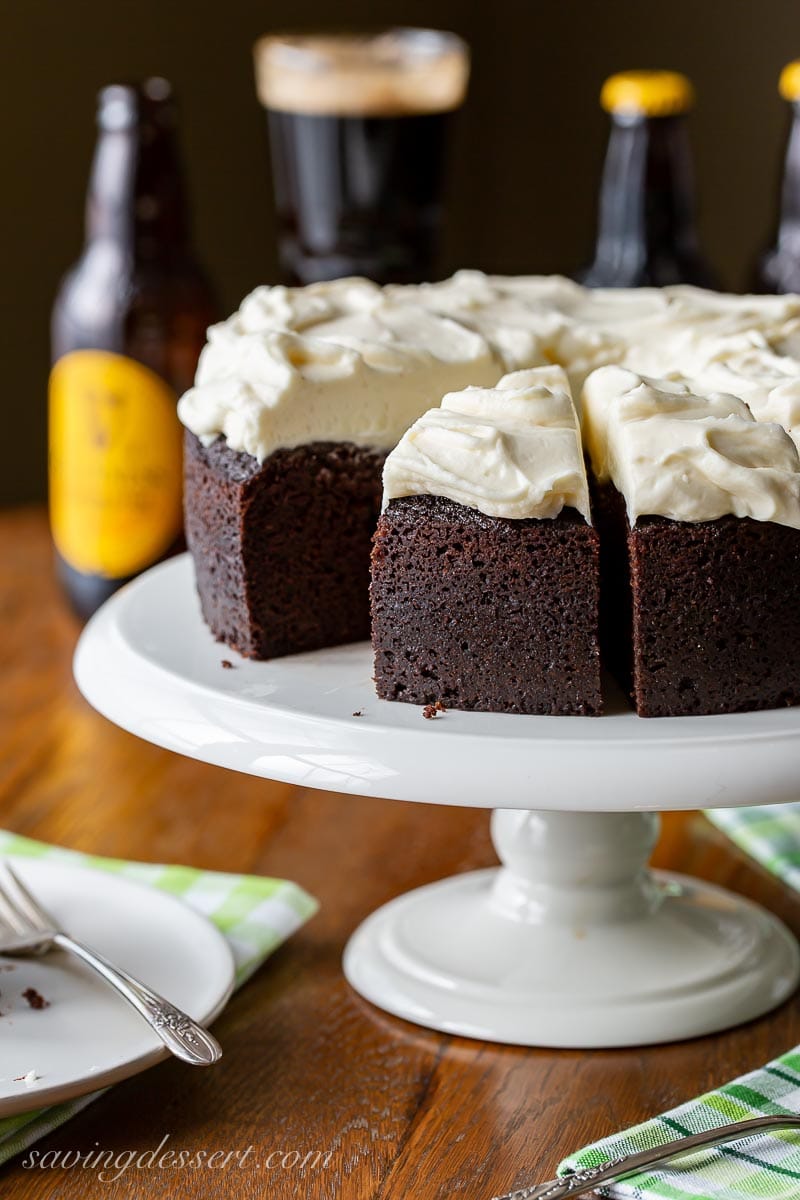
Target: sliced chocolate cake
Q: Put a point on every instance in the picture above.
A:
(485, 568)
(297, 400)
(303, 391)
(698, 510)
(281, 548)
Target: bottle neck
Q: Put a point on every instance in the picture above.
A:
(646, 209)
(789, 220)
(136, 193)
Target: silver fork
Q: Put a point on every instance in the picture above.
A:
(581, 1182)
(27, 929)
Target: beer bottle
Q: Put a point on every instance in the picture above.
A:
(128, 325)
(778, 268)
(646, 233)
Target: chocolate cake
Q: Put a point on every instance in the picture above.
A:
(281, 549)
(697, 615)
(297, 400)
(485, 570)
(485, 613)
(303, 391)
(700, 618)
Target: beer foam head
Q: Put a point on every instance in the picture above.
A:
(399, 72)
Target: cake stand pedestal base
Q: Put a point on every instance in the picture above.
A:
(573, 942)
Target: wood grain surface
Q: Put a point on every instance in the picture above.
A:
(398, 1112)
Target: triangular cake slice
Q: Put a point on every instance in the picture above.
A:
(485, 566)
(698, 510)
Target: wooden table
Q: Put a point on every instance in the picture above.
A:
(308, 1065)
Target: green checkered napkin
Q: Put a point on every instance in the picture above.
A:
(767, 1166)
(255, 914)
(770, 834)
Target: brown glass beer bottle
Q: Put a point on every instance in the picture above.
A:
(778, 268)
(128, 325)
(646, 234)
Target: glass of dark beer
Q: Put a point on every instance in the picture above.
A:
(358, 129)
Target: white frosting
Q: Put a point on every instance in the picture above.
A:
(328, 363)
(350, 361)
(673, 453)
(511, 451)
(539, 319)
(698, 327)
(768, 383)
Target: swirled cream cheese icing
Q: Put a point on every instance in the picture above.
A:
(698, 328)
(337, 362)
(349, 361)
(769, 384)
(510, 451)
(673, 453)
(539, 319)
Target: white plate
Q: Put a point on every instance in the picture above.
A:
(88, 1037)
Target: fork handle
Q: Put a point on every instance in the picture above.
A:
(578, 1183)
(182, 1036)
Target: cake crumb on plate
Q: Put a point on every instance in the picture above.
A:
(35, 1000)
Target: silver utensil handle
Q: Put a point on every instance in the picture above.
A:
(580, 1182)
(180, 1034)
(576, 1184)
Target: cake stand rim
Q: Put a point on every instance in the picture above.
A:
(103, 646)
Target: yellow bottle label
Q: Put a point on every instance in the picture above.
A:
(115, 463)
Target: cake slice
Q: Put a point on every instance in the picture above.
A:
(698, 510)
(281, 548)
(297, 400)
(485, 567)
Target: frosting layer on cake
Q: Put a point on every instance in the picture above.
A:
(511, 451)
(348, 361)
(334, 362)
(674, 453)
(769, 384)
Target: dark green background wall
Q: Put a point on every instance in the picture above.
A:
(524, 174)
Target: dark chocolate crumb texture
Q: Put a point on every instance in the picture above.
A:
(484, 613)
(281, 549)
(700, 618)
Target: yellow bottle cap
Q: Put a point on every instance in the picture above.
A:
(789, 82)
(647, 93)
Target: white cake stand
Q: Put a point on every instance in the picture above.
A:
(572, 941)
